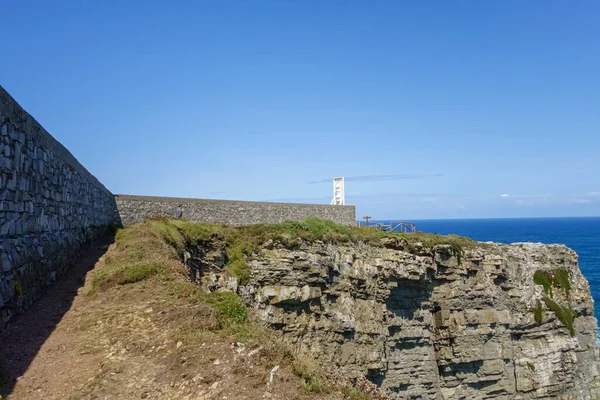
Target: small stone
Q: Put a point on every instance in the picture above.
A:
(179, 344)
(5, 262)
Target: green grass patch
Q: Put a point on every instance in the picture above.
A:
(457, 251)
(565, 314)
(188, 291)
(123, 274)
(561, 280)
(355, 394)
(243, 243)
(230, 308)
(537, 312)
(544, 279)
(145, 248)
(557, 278)
(136, 273)
(531, 366)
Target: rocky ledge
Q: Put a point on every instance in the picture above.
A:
(492, 321)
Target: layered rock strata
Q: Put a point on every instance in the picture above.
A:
(434, 324)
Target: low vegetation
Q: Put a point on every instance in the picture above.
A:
(311, 381)
(146, 259)
(537, 312)
(559, 279)
(564, 314)
(148, 245)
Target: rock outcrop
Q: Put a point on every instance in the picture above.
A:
(435, 324)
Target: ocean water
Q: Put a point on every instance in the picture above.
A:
(579, 234)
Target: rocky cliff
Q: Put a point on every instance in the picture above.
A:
(489, 321)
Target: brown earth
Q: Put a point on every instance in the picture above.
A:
(139, 341)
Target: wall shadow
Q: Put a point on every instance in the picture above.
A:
(26, 333)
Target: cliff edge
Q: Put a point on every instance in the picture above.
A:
(307, 310)
(490, 321)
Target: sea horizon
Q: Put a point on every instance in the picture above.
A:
(581, 234)
(473, 218)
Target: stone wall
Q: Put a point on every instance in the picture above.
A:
(134, 209)
(50, 206)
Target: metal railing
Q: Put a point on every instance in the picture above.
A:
(392, 226)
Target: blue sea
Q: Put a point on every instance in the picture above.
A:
(580, 234)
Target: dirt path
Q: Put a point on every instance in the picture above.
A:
(35, 356)
(135, 341)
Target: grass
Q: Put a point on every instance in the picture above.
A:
(144, 248)
(561, 280)
(544, 279)
(355, 394)
(531, 366)
(537, 312)
(557, 278)
(457, 251)
(229, 307)
(311, 381)
(564, 314)
(152, 251)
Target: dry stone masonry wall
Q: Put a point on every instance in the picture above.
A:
(137, 208)
(50, 206)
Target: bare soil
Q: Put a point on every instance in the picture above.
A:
(135, 341)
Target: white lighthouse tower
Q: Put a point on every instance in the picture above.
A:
(339, 198)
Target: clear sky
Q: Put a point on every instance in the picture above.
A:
(430, 109)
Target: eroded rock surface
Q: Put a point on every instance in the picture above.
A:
(426, 326)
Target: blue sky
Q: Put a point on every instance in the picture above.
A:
(438, 109)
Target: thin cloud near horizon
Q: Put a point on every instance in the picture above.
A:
(371, 178)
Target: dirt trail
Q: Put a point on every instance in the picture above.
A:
(134, 341)
(39, 350)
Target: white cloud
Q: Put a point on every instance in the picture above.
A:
(504, 195)
(594, 194)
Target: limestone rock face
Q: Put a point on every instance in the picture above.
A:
(426, 326)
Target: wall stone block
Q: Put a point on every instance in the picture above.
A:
(50, 208)
(134, 209)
